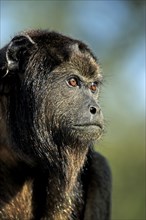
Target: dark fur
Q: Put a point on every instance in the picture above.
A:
(48, 169)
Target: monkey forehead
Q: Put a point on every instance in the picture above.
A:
(85, 63)
(81, 65)
(72, 52)
(80, 59)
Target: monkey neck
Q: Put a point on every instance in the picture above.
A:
(64, 184)
(63, 161)
(67, 164)
(57, 187)
(75, 159)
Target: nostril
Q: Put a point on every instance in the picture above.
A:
(93, 110)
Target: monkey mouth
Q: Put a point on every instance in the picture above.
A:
(88, 126)
(91, 131)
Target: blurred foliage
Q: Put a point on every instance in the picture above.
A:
(115, 30)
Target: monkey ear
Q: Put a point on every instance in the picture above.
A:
(17, 51)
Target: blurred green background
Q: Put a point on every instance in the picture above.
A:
(115, 30)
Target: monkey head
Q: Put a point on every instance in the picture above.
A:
(53, 84)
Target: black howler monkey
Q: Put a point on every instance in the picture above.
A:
(49, 120)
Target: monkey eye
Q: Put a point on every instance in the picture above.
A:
(73, 81)
(93, 87)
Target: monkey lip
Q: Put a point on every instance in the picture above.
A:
(88, 126)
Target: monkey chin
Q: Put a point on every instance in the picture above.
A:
(88, 132)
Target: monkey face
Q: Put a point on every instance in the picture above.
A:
(75, 109)
(55, 82)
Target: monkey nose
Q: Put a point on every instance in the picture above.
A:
(95, 109)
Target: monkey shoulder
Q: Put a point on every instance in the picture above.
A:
(98, 193)
(99, 167)
(15, 200)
